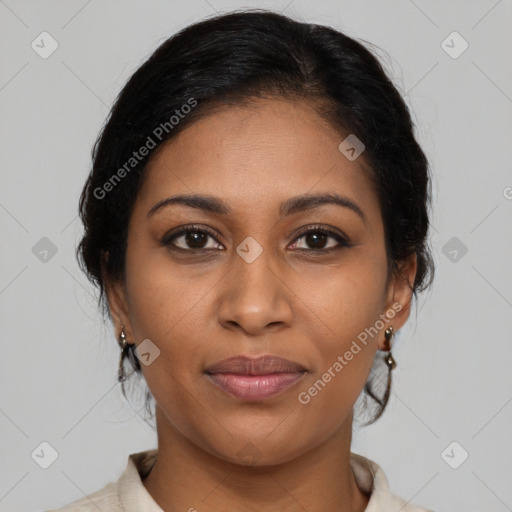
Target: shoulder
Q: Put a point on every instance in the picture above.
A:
(105, 499)
(127, 494)
(371, 479)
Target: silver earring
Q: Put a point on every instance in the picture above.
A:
(389, 334)
(121, 376)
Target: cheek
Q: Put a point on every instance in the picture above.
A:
(341, 302)
(167, 309)
(161, 295)
(339, 317)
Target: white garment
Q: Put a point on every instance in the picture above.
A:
(128, 494)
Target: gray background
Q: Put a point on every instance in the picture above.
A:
(58, 361)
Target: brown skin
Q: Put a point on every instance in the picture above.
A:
(304, 305)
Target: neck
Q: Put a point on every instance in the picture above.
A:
(185, 477)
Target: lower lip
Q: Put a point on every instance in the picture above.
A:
(251, 388)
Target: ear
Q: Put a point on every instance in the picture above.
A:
(399, 295)
(115, 291)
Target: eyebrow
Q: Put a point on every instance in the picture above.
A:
(212, 204)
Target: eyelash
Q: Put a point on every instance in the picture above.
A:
(343, 241)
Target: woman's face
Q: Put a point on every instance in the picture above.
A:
(240, 276)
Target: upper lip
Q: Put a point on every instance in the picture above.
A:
(263, 365)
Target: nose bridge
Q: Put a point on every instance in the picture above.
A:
(253, 266)
(254, 295)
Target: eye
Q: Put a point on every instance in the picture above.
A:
(197, 238)
(191, 238)
(318, 237)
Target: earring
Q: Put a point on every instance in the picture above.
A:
(389, 334)
(121, 376)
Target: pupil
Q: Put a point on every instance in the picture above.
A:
(313, 239)
(195, 239)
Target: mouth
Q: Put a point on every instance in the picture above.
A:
(255, 379)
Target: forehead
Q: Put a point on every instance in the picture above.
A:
(256, 155)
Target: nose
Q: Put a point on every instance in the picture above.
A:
(255, 297)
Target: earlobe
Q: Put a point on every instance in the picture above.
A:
(116, 297)
(116, 303)
(398, 307)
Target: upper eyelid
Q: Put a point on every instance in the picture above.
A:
(332, 232)
(170, 237)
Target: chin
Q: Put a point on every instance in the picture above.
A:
(260, 450)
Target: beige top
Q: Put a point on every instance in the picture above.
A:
(128, 494)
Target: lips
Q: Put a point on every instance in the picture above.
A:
(255, 379)
(263, 365)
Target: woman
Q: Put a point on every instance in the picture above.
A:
(256, 222)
